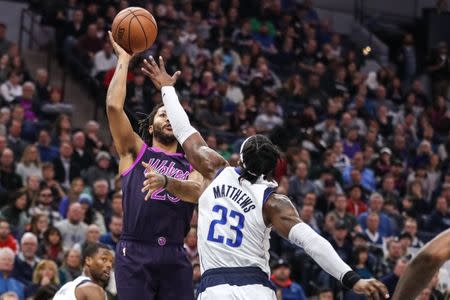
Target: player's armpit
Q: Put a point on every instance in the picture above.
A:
(281, 214)
(90, 291)
(201, 157)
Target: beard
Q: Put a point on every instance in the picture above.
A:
(163, 138)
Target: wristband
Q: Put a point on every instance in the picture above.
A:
(349, 279)
(166, 181)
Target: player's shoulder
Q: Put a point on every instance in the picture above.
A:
(89, 290)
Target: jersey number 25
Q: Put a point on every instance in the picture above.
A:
(224, 217)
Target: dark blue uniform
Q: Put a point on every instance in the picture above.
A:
(151, 262)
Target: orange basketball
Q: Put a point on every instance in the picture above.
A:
(134, 29)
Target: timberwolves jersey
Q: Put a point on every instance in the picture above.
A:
(231, 228)
(67, 291)
(163, 219)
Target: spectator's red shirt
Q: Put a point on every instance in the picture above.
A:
(10, 242)
(355, 208)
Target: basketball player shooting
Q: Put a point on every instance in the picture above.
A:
(97, 265)
(150, 257)
(238, 208)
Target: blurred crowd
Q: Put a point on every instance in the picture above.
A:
(365, 154)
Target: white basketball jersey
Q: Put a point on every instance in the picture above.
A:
(231, 228)
(67, 291)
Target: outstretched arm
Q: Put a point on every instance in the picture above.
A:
(282, 215)
(127, 142)
(423, 267)
(202, 158)
(90, 291)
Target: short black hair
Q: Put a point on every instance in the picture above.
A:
(260, 157)
(92, 249)
(145, 123)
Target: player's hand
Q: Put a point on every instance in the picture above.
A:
(372, 288)
(158, 74)
(120, 52)
(153, 180)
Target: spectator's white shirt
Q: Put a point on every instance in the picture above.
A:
(265, 122)
(9, 91)
(102, 63)
(234, 93)
(26, 170)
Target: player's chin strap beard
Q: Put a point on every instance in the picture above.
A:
(241, 156)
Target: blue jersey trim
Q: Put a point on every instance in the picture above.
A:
(83, 282)
(238, 170)
(267, 193)
(218, 172)
(239, 276)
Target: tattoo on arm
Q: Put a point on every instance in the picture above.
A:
(281, 214)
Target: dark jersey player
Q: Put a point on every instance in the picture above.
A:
(150, 259)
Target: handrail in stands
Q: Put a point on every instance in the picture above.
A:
(33, 41)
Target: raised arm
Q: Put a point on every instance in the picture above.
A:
(280, 213)
(202, 158)
(423, 267)
(127, 142)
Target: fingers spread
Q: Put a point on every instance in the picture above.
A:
(161, 64)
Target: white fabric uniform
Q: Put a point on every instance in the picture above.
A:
(232, 232)
(67, 291)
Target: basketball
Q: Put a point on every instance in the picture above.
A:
(134, 29)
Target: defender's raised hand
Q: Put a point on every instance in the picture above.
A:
(158, 74)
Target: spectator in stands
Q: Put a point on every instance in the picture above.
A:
(87, 45)
(80, 153)
(62, 130)
(45, 206)
(340, 242)
(102, 169)
(72, 266)
(48, 174)
(376, 202)
(92, 236)
(77, 186)
(138, 94)
(410, 227)
(15, 212)
(42, 85)
(439, 219)
(341, 214)
(38, 225)
(360, 262)
(73, 229)
(7, 282)
(29, 164)
(51, 246)
(395, 252)
(299, 184)
(9, 296)
(6, 238)
(112, 237)
(93, 142)
(391, 279)
(8, 178)
(15, 141)
(54, 107)
(438, 67)
(367, 175)
(66, 168)
(47, 152)
(45, 273)
(116, 205)
(281, 274)
(91, 216)
(268, 119)
(11, 88)
(356, 204)
(102, 200)
(26, 261)
(372, 232)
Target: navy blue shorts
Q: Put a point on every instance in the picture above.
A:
(152, 272)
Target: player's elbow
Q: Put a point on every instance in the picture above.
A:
(432, 257)
(112, 107)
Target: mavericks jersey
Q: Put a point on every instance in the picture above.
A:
(67, 291)
(231, 228)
